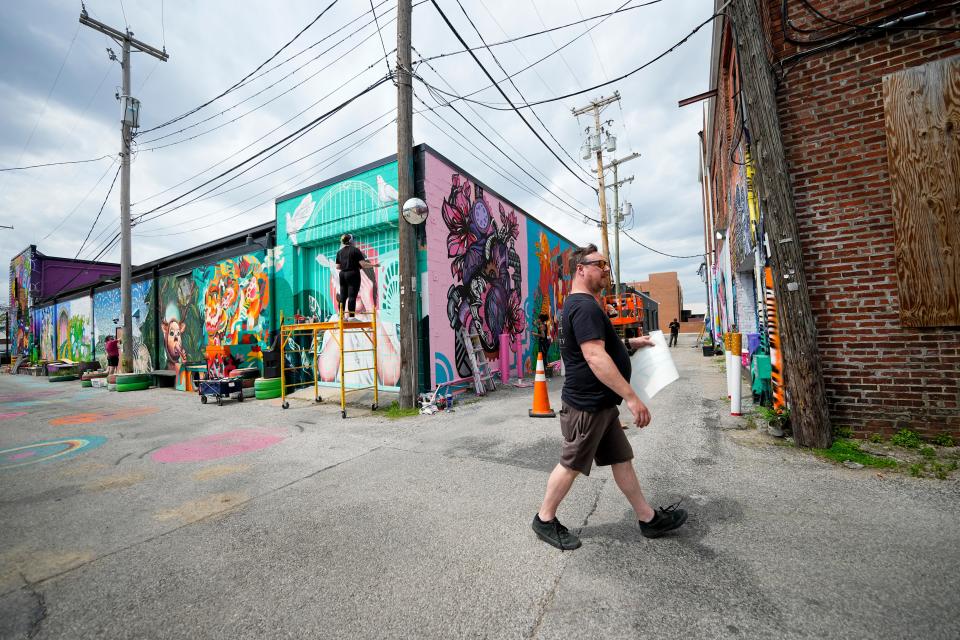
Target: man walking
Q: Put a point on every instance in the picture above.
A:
(674, 332)
(597, 364)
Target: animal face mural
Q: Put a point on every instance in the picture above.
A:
(20, 300)
(217, 313)
(487, 294)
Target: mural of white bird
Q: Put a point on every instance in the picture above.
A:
(385, 192)
(299, 218)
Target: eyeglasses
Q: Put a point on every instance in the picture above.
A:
(600, 264)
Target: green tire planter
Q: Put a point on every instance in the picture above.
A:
(132, 386)
(86, 383)
(267, 395)
(63, 378)
(130, 378)
(266, 384)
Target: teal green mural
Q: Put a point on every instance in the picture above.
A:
(309, 227)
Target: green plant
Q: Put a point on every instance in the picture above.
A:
(843, 432)
(875, 438)
(928, 452)
(940, 471)
(777, 418)
(916, 470)
(906, 439)
(394, 411)
(842, 450)
(943, 439)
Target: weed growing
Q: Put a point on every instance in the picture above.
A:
(842, 450)
(875, 438)
(943, 440)
(906, 439)
(394, 411)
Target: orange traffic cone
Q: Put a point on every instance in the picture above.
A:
(541, 398)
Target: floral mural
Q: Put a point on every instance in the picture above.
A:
(75, 330)
(20, 303)
(487, 294)
(106, 320)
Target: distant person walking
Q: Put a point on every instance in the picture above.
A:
(674, 332)
(350, 260)
(112, 348)
(597, 364)
(541, 329)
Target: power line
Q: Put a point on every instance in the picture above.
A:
(269, 86)
(318, 150)
(501, 91)
(380, 33)
(285, 141)
(496, 132)
(327, 162)
(79, 204)
(97, 219)
(55, 164)
(669, 255)
(238, 83)
(517, 89)
(528, 105)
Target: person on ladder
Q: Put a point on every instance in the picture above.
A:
(350, 260)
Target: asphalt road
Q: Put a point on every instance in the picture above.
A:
(156, 517)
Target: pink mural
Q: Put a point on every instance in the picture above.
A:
(476, 268)
(219, 445)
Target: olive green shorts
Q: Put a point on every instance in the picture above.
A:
(590, 436)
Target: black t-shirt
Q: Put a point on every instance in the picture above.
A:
(349, 257)
(674, 327)
(582, 321)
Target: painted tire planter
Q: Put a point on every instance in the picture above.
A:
(130, 378)
(112, 378)
(267, 395)
(86, 383)
(63, 377)
(111, 387)
(266, 384)
(90, 375)
(132, 386)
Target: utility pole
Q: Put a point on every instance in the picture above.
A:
(596, 106)
(130, 121)
(407, 232)
(809, 417)
(615, 164)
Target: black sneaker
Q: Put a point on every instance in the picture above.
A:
(554, 533)
(664, 519)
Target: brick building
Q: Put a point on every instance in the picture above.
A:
(665, 288)
(869, 116)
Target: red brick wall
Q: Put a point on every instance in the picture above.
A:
(665, 289)
(879, 376)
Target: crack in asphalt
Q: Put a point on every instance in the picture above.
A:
(234, 507)
(39, 613)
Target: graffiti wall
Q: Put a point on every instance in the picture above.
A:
(75, 330)
(549, 283)
(106, 317)
(477, 257)
(309, 227)
(20, 302)
(43, 329)
(217, 313)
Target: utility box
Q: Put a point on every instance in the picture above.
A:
(130, 111)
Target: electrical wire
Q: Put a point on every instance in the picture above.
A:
(380, 33)
(79, 204)
(510, 158)
(276, 147)
(55, 164)
(250, 144)
(97, 219)
(238, 83)
(326, 163)
(528, 105)
(314, 152)
(517, 89)
(264, 89)
(503, 93)
(491, 164)
(669, 255)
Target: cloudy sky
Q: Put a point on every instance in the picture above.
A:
(57, 99)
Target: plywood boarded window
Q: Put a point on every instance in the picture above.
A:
(922, 113)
